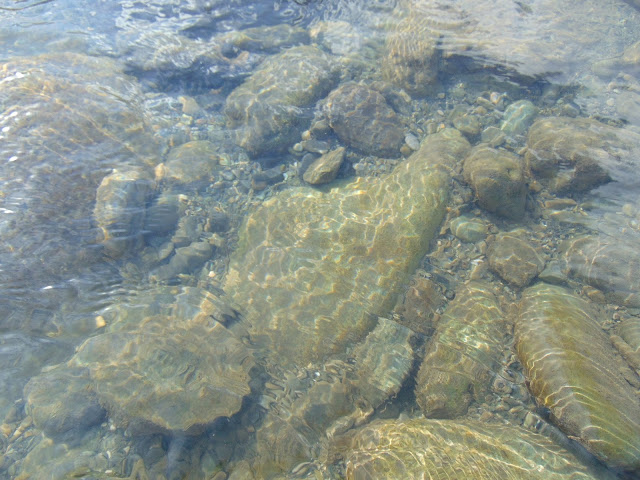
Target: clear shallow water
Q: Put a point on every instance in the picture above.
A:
(126, 242)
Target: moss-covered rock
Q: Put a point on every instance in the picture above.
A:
(573, 371)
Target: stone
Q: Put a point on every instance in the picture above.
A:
(412, 55)
(268, 108)
(469, 229)
(310, 410)
(269, 38)
(120, 211)
(419, 304)
(63, 404)
(325, 168)
(605, 263)
(518, 117)
(628, 342)
(362, 119)
(573, 371)
(513, 259)
(167, 361)
(262, 179)
(572, 154)
(322, 263)
(443, 449)
(463, 356)
(497, 178)
(162, 216)
(63, 135)
(186, 260)
(193, 163)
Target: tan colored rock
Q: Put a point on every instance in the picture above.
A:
(313, 269)
(514, 260)
(419, 449)
(573, 371)
(497, 178)
(325, 168)
(362, 119)
(464, 354)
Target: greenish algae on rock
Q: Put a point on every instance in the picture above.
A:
(573, 371)
(463, 355)
(445, 449)
(314, 268)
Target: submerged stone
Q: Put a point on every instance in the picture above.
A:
(192, 163)
(572, 154)
(463, 356)
(309, 413)
(469, 229)
(605, 263)
(412, 56)
(573, 371)
(513, 259)
(313, 269)
(167, 362)
(120, 211)
(518, 117)
(69, 121)
(325, 168)
(497, 177)
(444, 449)
(62, 403)
(363, 120)
(267, 109)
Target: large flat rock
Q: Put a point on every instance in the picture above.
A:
(313, 268)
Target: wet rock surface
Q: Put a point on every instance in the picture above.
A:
(73, 119)
(514, 259)
(267, 108)
(497, 177)
(571, 154)
(464, 449)
(192, 163)
(63, 404)
(121, 199)
(311, 409)
(604, 263)
(324, 169)
(573, 371)
(325, 246)
(167, 362)
(412, 56)
(463, 356)
(363, 120)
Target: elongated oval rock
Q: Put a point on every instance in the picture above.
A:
(463, 355)
(573, 371)
(313, 269)
(445, 449)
